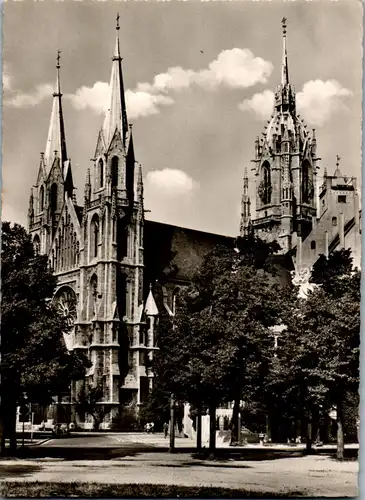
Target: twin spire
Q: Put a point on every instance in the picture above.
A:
(116, 115)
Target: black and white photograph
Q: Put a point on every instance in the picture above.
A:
(181, 248)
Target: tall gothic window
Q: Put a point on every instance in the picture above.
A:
(265, 184)
(93, 292)
(307, 190)
(101, 172)
(94, 228)
(115, 163)
(41, 199)
(53, 198)
(36, 245)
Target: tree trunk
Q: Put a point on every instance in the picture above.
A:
(9, 422)
(235, 422)
(172, 425)
(199, 429)
(268, 428)
(308, 446)
(2, 437)
(340, 437)
(212, 430)
(315, 425)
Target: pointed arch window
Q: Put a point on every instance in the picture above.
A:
(94, 229)
(307, 185)
(174, 300)
(41, 199)
(115, 167)
(101, 172)
(37, 245)
(93, 293)
(265, 187)
(54, 194)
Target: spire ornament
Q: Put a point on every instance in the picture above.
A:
(58, 59)
(285, 71)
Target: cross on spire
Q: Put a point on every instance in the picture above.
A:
(338, 158)
(58, 59)
(118, 27)
(283, 22)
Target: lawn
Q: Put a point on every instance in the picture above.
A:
(13, 489)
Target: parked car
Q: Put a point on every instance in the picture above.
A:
(60, 430)
(249, 436)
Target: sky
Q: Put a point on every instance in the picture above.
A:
(199, 79)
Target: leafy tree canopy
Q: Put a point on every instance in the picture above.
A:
(34, 357)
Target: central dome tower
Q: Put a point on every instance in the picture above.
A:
(285, 158)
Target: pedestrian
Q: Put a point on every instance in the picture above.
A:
(165, 429)
(152, 427)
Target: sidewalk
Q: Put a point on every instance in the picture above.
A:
(157, 439)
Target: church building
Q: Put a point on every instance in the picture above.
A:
(111, 263)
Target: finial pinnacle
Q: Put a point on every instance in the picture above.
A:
(118, 27)
(337, 160)
(58, 59)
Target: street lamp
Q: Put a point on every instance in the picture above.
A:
(276, 330)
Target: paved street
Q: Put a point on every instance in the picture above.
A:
(139, 458)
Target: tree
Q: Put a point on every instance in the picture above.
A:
(89, 403)
(218, 347)
(35, 360)
(325, 337)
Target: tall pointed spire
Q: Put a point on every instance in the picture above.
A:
(116, 115)
(284, 65)
(56, 140)
(245, 208)
(140, 183)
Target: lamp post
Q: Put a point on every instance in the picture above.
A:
(172, 424)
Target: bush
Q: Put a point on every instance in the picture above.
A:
(125, 421)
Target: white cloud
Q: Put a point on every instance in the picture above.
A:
(317, 102)
(261, 104)
(41, 92)
(139, 102)
(170, 182)
(237, 68)
(94, 98)
(170, 195)
(6, 78)
(143, 103)
(320, 100)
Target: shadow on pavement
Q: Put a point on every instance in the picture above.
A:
(18, 470)
(200, 464)
(90, 451)
(65, 453)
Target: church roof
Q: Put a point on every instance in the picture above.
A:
(151, 308)
(56, 140)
